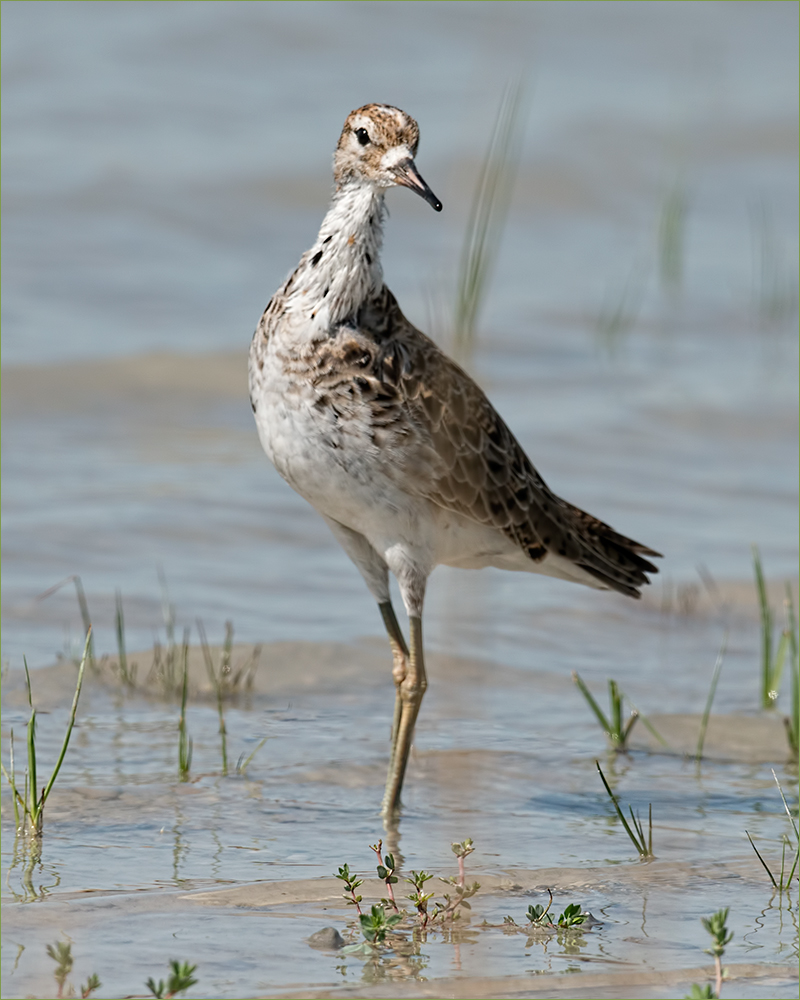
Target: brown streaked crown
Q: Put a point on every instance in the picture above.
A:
(369, 133)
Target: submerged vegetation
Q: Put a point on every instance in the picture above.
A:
(783, 882)
(29, 802)
(643, 846)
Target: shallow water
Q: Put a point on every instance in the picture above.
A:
(163, 167)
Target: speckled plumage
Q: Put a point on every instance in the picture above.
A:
(390, 440)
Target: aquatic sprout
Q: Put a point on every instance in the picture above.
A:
(774, 659)
(644, 847)
(709, 701)
(376, 924)
(716, 925)
(462, 850)
(615, 729)
(30, 800)
(539, 918)
(61, 953)
(781, 884)
(419, 897)
(218, 680)
(386, 869)
(789, 644)
(244, 762)
(185, 744)
(127, 676)
(351, 883)
(538, 915)
(181, 978)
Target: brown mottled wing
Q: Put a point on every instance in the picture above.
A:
(479, 469)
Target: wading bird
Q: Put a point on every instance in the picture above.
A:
(390, 440)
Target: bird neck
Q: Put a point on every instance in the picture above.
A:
(343, 267)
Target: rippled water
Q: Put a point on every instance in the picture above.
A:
(164, 165)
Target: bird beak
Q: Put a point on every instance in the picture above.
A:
(406, 173)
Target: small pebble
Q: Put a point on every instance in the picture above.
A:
(328, 939)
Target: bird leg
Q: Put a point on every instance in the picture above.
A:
(410, 691)
(399, 662)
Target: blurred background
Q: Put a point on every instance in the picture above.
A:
(165, 165)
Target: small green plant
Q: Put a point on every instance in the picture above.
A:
(716, 925)
(386, 869)
(29, 803)
(615, 729)
(127, 676)
(644, 847)
(351, 883)
(462, 851)
(181, 978)
(376, 924)
(377, 920)
(185, 744)
(419, 897)
(539, 918)
(218, 680)
(701, 992)
(772, 659)
(92, 983)
(789, 643)
(225, 681)
(539, 915)
(781, 883)
(61, 953)
(244, 762)
(613, 725)
(572, 916)
(709, 701)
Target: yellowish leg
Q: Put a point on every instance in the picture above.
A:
(410, 691)
(399, 663)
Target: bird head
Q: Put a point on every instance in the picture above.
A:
(377, 147)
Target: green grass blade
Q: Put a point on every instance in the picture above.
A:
(763, 862)
(31, 809)
(587, 694)
(710, 700)
(650, 727)
(242, 766)
(185, 745)
(615, 709)
(119, 621)
(640, 846)
(786, 806)
(766, 630)
(793, 719)
(487, 218)
(207, 657)
(73, 711)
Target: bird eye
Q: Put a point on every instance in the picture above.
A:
(362, 135)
